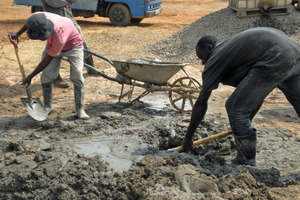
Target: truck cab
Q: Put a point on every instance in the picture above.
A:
(119, 12)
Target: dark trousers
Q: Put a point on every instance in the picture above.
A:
(249, 95)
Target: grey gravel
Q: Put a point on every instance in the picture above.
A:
(180, 47)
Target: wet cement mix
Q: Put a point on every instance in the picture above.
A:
(110, 157)
(121, 152)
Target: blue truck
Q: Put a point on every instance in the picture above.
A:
(119, 12)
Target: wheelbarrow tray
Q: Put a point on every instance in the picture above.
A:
(155, 72)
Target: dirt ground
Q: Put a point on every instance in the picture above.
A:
(56, 159)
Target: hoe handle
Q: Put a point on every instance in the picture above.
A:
(207, 139)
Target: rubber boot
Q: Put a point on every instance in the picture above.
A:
(79, 103)
(47, 94)
(89, 60)
(246, 149)
(60, 82)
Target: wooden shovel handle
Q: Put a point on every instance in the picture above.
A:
(11, 41)
(207, 139)
(18, 58)
(20, 65)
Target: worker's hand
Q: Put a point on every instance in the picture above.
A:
(27, 80)
(14, 35)
(187, 145)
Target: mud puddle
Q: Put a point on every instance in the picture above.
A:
(157, 105)
(118, 151)
(161, 101)
(158, 101)
(75, 159)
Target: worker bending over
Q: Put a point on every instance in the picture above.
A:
(63, 40)
(255, 61)
(63, 8)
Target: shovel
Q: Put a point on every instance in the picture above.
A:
(204, 140)
(33, 106)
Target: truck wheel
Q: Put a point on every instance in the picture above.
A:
(119, 15)
(136, 20)
(36, 9)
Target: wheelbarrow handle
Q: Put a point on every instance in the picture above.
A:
(11, 41)
(99, 56)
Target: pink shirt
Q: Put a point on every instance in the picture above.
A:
(65, 36)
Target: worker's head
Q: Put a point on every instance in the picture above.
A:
(39, 27)
(205, 46)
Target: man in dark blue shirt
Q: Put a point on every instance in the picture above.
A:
(255, 61)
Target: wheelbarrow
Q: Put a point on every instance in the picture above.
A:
(153, 76)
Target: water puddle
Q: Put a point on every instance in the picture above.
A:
(120, 152)
(157, 101)
(160, 104)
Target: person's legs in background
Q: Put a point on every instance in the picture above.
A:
(88, 59)
(59, 81)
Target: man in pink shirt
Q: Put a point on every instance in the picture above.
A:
(63, 40)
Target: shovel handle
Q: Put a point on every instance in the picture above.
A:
(204, 140)
(29, 97)
(18, 58)
(11, 41)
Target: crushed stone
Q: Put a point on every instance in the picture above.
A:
(180, 47)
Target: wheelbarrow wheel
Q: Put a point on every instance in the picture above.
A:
(181, 100)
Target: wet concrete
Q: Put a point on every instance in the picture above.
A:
(121, 154)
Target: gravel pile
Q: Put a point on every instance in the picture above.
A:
(180, 47)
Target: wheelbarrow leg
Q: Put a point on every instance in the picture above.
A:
(141, 96)
(121, 95)
(129, 93)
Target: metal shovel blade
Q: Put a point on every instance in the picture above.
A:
(34, 107)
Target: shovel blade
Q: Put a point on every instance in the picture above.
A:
(35, 109)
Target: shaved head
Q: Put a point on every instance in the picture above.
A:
(206, 41)
(204, 47)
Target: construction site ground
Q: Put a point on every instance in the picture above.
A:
(120, 153)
